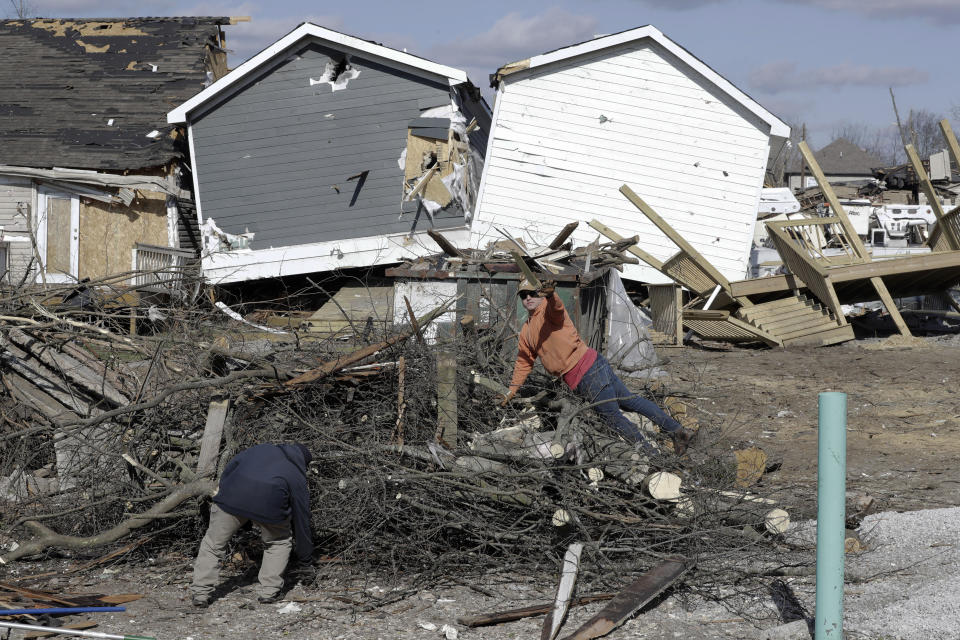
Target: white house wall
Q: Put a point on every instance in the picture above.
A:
(568, 135)
(16, 202)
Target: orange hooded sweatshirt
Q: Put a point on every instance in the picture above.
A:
(550, 335)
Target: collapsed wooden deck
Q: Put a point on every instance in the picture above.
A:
(804, 306)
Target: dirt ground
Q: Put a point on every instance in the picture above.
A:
(903, 413)
(903, 441)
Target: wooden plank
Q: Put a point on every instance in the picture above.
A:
(77, 626)
(632, 599)
(822, 338)
(677, 239)
(927, 187)
(525, 270)
(635, 250)
(511, 615)
(445, 245)
(833, 201)
(561, 237)
(568, 578)
(413, 321)
(951, 141)
(210, 442)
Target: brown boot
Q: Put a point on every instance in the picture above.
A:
(682, 440)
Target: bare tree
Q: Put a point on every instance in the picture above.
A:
(924, 131)
(22, 8)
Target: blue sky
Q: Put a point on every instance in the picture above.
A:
(822, 62)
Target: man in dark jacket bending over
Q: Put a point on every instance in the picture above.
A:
(267, 484)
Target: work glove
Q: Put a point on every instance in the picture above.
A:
(507, 398)
(546, 288)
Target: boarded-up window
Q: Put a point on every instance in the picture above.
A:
(58, 235)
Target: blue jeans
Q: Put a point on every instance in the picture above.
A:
(603, 388)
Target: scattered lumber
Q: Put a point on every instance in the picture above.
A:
(512, 615)
(631, 600)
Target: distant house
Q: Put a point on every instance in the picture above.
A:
(327, 151)
(89, 168)
(573, 125)
(841, 161)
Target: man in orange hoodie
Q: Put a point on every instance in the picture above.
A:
(550, 335)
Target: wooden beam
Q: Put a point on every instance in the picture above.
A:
(445, 245)
(677, 239)
(635, 250)
(563, 235)
(932, 198)
(831, 197)
(951, 141)
(212, 432)
(511, 615)
(525, 270)
(887, 301)
(630, 600)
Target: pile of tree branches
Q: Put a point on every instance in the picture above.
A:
(92, 457)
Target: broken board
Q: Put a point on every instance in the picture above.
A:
(630, 600)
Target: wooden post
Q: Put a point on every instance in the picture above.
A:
(212, 432)
(401, 403)
(831, 197)
(447, 384)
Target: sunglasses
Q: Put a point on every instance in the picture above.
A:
(527, 294)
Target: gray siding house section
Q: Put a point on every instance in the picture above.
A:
(281, 156)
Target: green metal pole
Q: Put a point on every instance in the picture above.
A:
(831, 514)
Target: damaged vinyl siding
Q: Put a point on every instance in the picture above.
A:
(570, 134)
(295, 159)
(16, 202)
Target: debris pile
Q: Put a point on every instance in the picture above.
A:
(109, 435)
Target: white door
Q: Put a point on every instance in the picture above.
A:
(58, 235)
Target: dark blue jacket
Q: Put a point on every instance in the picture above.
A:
(268, 483)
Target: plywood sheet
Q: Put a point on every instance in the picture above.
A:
(108, 233)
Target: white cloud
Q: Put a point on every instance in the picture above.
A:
(775, 77)
(515, 37)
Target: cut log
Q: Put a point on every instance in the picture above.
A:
(630, 600)
(568, 578)
(662, 485)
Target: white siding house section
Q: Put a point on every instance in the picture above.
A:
(568, 134)
(16, 203)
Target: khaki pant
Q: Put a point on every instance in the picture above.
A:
(277, 543)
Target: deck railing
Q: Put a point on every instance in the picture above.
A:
(940, 241)
(806, 261)
(157, 268)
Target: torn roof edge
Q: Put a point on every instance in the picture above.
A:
(454, 76)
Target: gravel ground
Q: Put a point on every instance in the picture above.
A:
(904, 586)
